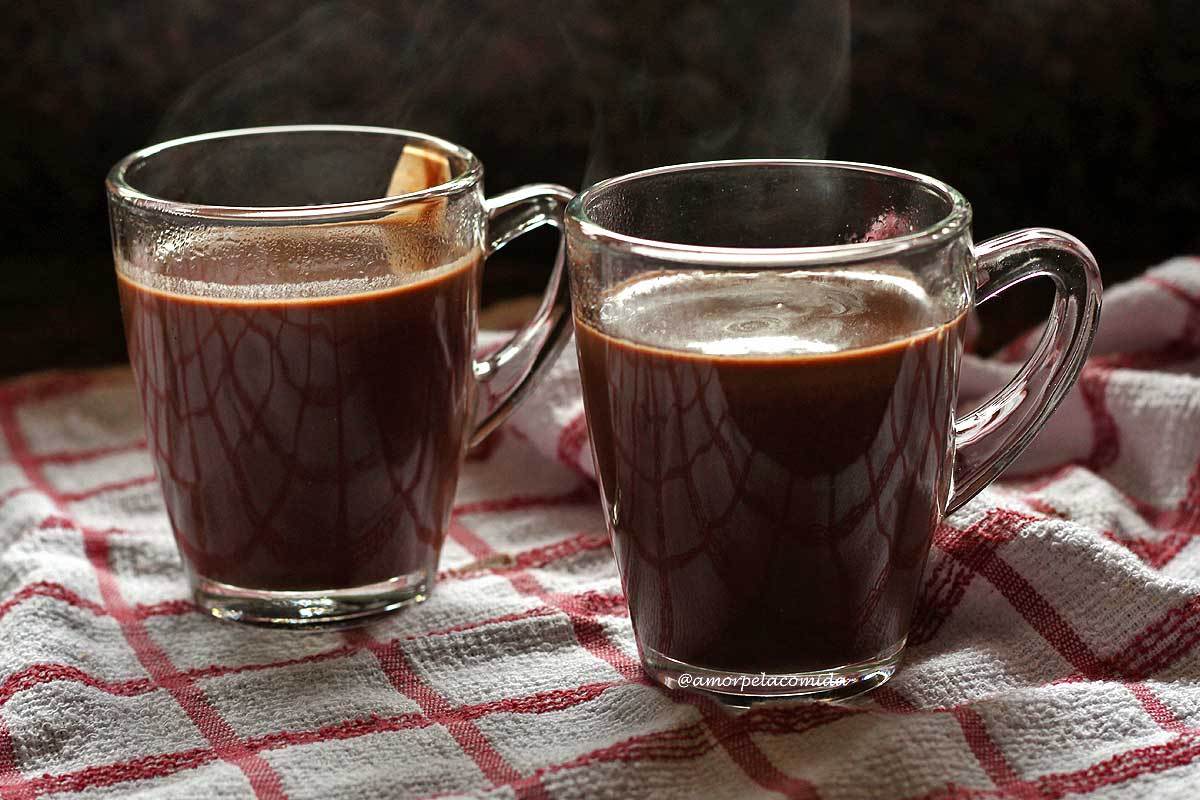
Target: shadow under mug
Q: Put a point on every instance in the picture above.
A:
(300, 311)
(769, 352)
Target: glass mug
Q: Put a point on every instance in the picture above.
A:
(769, 352)
(300, 311)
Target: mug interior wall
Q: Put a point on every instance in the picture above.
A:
(293, 168)
(768, 206)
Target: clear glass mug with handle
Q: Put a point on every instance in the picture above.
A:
(300, 311)
(769, 352)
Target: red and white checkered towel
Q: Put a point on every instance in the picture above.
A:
(1054, 651)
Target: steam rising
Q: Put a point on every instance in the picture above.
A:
(701, 81)
(545, 89)
(339, 62)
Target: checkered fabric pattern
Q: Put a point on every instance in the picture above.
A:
(1053, 654)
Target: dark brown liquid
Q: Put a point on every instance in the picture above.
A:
(770, 512)
(307, 443)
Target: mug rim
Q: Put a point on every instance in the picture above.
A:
(948, 228)
(119, 188)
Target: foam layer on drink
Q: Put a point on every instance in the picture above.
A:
(769, 314)
(231, 280)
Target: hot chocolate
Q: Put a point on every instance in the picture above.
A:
(306, 442)
(773, 453)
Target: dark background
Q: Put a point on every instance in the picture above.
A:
(1073, 114)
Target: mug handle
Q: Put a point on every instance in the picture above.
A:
(990, 437)
(507, 375)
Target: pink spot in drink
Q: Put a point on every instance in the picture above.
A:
(887, 225)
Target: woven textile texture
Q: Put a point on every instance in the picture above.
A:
(1054, 651)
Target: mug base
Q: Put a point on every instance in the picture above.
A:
(320, 609)
(741, 689)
